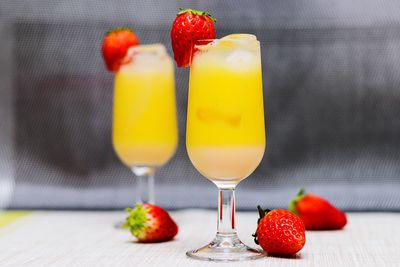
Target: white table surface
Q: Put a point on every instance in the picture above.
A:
(51, 238)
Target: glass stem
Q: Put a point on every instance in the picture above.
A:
(144, 184)
(226, 212)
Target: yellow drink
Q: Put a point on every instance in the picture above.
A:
(225, 123)
(144, 119)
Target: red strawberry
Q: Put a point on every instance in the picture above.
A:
(150, 223)
(280, 232)
(317, 213)
(115, 45)
(188, 27)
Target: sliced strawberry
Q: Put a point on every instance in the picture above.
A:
(115, 45)
(188, 27)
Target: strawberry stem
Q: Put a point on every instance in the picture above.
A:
(261, 212)
(196, 12)
(118, 29)
(136, 219)
(255, 238)
(301, 192)
(293, 202)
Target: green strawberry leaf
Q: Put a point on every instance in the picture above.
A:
(295, 200)
(136, 220)
(196, 12)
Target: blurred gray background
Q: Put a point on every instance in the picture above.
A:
(331, 73)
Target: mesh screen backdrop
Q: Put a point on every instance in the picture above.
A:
(331, 72)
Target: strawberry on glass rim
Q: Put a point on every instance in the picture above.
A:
(188, 27)
(115, 47)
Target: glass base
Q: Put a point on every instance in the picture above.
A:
(226, 248)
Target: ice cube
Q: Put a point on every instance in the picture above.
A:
(241, 58)
(150, 49)
(145, 57)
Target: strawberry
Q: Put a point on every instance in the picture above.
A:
(317, 213)
(150, 223)
(188, 27)
(280, 232)
(115, 45)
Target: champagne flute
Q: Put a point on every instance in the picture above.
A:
(145, 133)
(225, 130)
